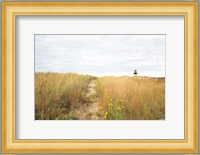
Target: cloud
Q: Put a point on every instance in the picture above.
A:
(101, 54)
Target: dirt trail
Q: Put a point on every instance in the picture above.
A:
(89, 111)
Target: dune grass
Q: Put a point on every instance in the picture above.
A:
(131, 98)
(56, 95)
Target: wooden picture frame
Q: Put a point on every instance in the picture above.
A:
(10, 10)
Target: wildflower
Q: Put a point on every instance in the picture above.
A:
(122, 100)
(110, 104)
(122, 107)
(100, 107)
(111, 100)
(104, 117)
(107, 97)
(118, 108)
(106, 113)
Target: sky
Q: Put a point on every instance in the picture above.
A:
(101, 55)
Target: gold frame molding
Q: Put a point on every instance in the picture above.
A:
(187, 9)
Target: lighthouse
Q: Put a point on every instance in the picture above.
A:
(135, 73)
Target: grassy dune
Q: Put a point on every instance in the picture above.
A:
(131, 98)
(56, 95)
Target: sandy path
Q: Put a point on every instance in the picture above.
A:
(89, 111)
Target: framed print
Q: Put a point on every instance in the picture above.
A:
(100, 77)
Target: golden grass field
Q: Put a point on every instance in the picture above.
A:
(67, 97)
(56, 95)
(135, 98)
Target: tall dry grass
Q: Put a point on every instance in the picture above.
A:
(131, 98)
(56, 95)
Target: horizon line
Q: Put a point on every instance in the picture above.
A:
(103, 75)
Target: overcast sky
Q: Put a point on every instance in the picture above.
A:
(101, 55)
